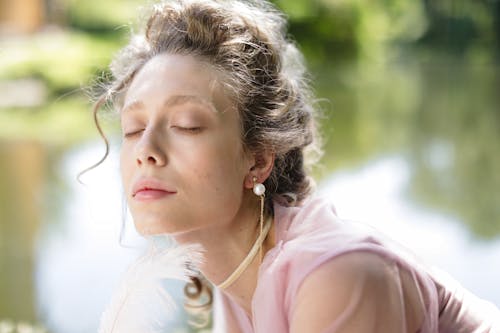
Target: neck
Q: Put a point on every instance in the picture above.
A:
(226, 246)
(256, 249)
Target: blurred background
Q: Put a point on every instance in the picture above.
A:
(410, 93)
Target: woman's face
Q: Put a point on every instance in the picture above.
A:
(183, 165)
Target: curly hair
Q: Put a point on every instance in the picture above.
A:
(263, 72)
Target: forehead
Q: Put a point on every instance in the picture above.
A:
(171, 101)
(169, 78)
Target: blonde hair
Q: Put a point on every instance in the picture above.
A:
(263, 72)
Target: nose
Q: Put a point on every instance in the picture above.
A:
(149, 150)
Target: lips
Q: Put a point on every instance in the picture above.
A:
(150, 189)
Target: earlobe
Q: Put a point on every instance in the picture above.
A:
(249, 180)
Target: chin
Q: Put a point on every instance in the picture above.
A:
(151, 228)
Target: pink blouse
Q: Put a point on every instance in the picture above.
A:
(310, 236)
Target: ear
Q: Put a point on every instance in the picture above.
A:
(263, 163)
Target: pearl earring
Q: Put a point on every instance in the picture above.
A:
(258, 188)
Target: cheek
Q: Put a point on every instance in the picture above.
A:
(227, 172)
(218, 168)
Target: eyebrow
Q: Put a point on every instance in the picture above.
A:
(172, 101)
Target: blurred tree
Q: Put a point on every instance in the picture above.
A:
(463, 26)
(331, 31)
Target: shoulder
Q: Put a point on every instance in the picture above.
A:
(332, 272)
(341, 275)
(352, 293)
(309, 236)
(352, 265)
(338, 280)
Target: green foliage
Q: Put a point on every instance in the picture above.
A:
(462, 27)
(102, 16)
(334, 31)
(64, 60)
(63, 122)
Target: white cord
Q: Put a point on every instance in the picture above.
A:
(248, 259)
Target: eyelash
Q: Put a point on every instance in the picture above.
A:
(186, 129)
(189, 129)
(131, 134)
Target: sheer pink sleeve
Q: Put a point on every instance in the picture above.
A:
(358, 292)
(334, 276)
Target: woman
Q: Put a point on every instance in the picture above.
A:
(218, 135)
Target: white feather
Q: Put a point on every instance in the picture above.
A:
(141, 303)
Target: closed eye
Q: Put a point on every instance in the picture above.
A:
(195, 129)
(132, 133)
